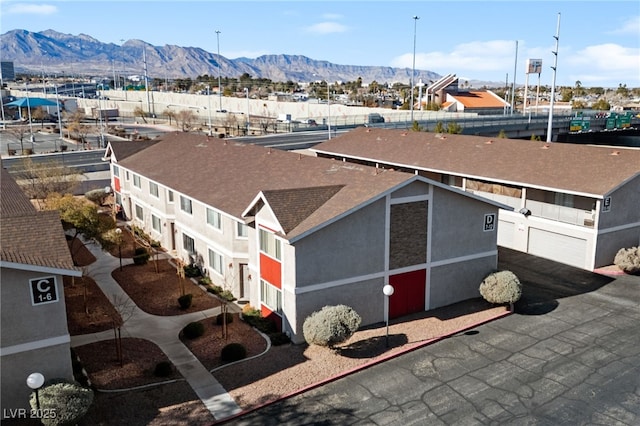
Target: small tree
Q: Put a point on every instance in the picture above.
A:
(139, 112)
(82, 217)
(124, 310)
(41, 179)
(331, 325)
(501, 287)
(628, 259)
(186, 118)
(68, 400)
(439, 127)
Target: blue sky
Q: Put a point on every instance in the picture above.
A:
(599, 41)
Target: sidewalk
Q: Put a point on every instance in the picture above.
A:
(163, 331)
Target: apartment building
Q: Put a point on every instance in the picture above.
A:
(575, 204)
(290, 233)
(34, 257)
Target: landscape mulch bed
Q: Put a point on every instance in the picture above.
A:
(157, 292)
(88, 309)
(139, 359)
(207, 348)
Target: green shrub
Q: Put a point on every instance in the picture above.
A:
(227, 295)
(215, 289)
(501, 287)
(67, 399)
(331, 325)
(185, 301)
(628, 259)
(206, 281)
(278, 339)
(254, 318)
(141, 256)
(192, 271)
(96, 196)
(233, 352)
(163, 369)
(193, 330)
(221, 316)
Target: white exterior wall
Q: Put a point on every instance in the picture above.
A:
(224, 241)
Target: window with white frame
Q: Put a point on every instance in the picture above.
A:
(136, 181)
(188, 244)
(153, 189)
(116, 170)
(139, 212)
(241, 230)
(215, 261)
(214, 218)
(155, 223)
(271, 296)
(270, 245)
(185, 205)
(170, 195)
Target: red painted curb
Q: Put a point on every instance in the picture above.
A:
(345, 373)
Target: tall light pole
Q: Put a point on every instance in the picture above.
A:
(32, 138)
(219, 75)
(329, 109)
(246, 89)
(413, 67)
(209, 108)
(59, 117)
(553, 84)
(513, 89)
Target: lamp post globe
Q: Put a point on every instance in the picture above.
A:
(35, 382)
(388, 290)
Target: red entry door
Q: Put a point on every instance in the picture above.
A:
(408, 294)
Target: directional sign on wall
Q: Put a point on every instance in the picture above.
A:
(43, 290)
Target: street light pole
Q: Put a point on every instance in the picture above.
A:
(329, 108)
(553, 85)
(413, 67)
(209, 108)
(119, 233)
(32, 138)
(246, 89)
(219, 75)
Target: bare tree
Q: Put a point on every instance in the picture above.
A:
(124, 310)
(170, 113)
(226, 297)
(39, 113)
(185, 119)
(139, 112)
(39, 180)
(76, 126)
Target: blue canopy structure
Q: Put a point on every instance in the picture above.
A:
(30, 103)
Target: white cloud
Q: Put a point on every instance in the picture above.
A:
(608, 61)
(470, 58)
(631, 26)
(32, 9)
(326, 28)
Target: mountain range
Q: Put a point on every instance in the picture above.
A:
(52, 52)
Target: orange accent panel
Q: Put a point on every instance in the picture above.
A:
(116, 183)
(270, 270)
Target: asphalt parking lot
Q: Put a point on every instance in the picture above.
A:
(569, 355)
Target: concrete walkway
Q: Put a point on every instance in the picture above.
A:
(161, 330)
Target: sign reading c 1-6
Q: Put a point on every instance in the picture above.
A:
(43, 290)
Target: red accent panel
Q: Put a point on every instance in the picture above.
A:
(271, 316)
(409, 291)
(270, 270)
(116, 183)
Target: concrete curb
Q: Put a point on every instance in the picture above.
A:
(345, 373)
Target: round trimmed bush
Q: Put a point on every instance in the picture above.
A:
(233, 352)
(193, 330)
(628, 259)
(185, 301)
(501, 287)
(163, 369)
(141, 256)
(220, 317)
(67, 399)
(331, 325)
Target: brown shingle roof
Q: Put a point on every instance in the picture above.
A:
(124, 149)
(581, 169)
(305, 200)
(27, 236)
(228, 176)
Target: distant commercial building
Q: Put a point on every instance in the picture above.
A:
(7, 73)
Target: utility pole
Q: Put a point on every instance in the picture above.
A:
(413, 67)
(219, 75)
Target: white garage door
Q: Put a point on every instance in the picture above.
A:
(558, 247)
(505, 233)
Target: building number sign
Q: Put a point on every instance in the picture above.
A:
(489, 222)
(43, 290)
(606, 204)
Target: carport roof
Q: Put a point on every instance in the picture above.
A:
(562, 167)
